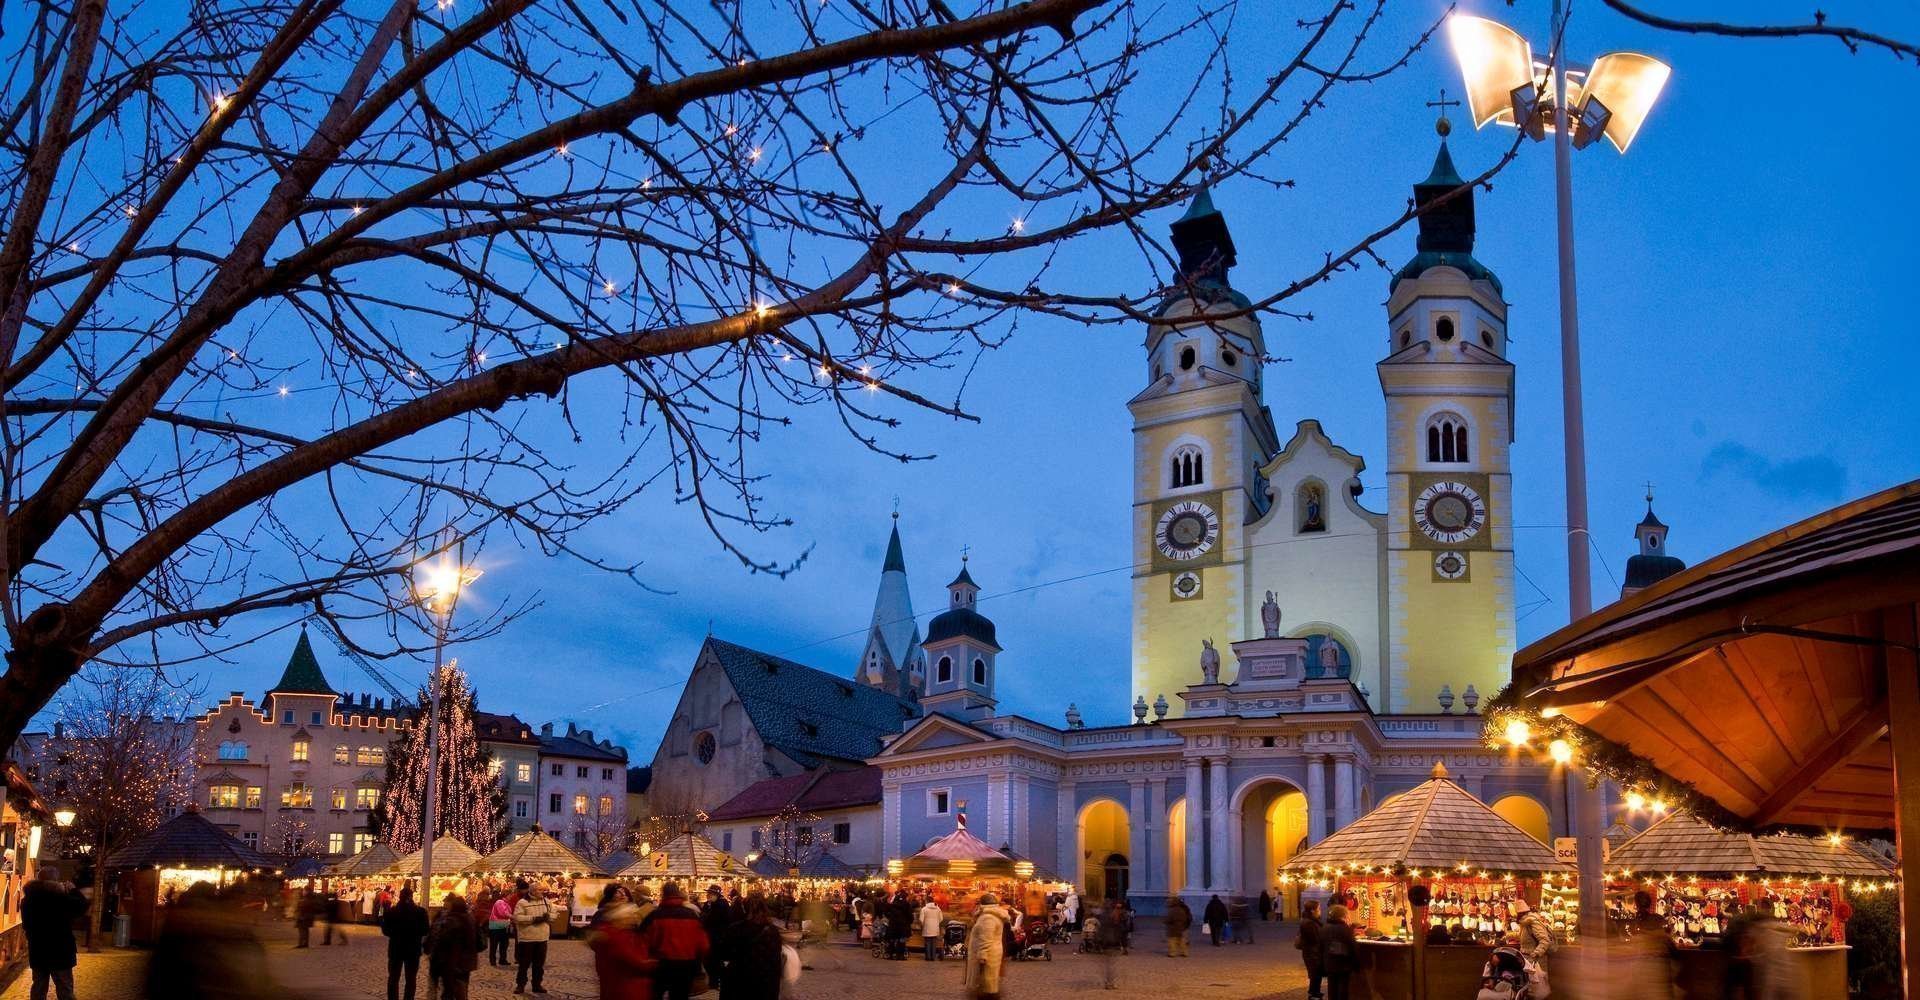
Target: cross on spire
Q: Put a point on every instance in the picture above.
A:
(896, 506)
(1649, 486)
(1443, 126)
(965, 551)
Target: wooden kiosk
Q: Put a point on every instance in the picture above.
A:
(450, 861)
(165, 861)
(1472, 866)
(565, 877)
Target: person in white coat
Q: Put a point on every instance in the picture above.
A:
(932, 929)
(1073, 910)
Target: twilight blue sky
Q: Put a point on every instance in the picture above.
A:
(1748, 346)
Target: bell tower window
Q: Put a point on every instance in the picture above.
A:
(1447, 439)
(1187, 358)
(946, 669)
(1443, 329)
(980, 672)
(1188, 467)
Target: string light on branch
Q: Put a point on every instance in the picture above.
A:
(283, 391)
(562, 151)
(131, 210)
(1019, 225)
(220, 103)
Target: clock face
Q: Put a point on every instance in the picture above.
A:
(1186, 585)
(1450, 565)
(1187, 530)
(1449, 511)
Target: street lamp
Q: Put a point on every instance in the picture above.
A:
(63, 817)
(438, 587)
(1611, 98)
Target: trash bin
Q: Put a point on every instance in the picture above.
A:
(122, 929)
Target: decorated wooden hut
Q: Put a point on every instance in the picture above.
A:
(535, 852)
(450, 861)
(165, 861)
(1435, 857)
(369, 862)
(688, 859)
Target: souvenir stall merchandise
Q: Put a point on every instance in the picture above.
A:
(1434, 857)
(24, 821)
(570, 882)
(360, 875)
(167, 860)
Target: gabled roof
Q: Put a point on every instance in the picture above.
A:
(493, 727)
(534, 853)
(578, 744)
(1436, 824)
(1685, 844)
(688, 856)
(188, 840)
(303, 674)
(374, 859)
(450, 857)
(821, 790)
(809, 714)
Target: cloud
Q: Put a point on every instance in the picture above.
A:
(1816, 477)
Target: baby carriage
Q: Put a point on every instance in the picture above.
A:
(954, 938)
(1505, 977)
(1057, 930)
(1036, 941)
(1090, 943)
(877, 937)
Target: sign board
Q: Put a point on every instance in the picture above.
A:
(1566, 850)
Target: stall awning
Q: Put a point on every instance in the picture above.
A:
(960, 855)
(1757, 679)
(371, 861)
(1436, 825)
(1683, 844)
(535, 852)
(826, 866)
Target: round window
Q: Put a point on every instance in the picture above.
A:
(1229, 358)
(1186, 359)
(703, 748)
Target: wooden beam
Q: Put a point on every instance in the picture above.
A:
(1903, 717)
(1860, 731)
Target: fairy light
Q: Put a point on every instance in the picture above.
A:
(562, 151)
(470, 800)
(953, 288)
(357, 209)
(761, 309)
(1019, 224)
(731, 129)
(1518, 732)
(220, 103)
(609, 286)
(755, 155)
(131, 210)
(480, 357)
(283, 392)
(1561, 751)
(444, 5)
(73, 248)
(1636, 801)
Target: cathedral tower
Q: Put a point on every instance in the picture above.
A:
(960, 650)
(1651, 564)
(1200, 434)
(891, 659)
(1449, 395)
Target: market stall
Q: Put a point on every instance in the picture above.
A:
(24, 822)
(450, 861)
(570, 882)
(688, 859)
(162, 863)
(1434, 857)
(1700, 879)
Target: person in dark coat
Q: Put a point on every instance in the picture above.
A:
(304, 913)
(1178, 922)
(716, 916)
(1308, 941)
(1338, 951)
(1266, 906)
(48, 908)
(675, 939)
(453, 948)
(751, 953)
(899, 924)
(405, 927)
(330, 913)
(1216, 917)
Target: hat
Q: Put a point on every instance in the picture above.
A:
(671, 891)
(1520, 906)
(713, 889)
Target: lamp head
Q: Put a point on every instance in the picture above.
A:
(64, 817)
(439, 583)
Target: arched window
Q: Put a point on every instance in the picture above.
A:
(946, 669)
(1447, 438)
(233, 750)
(979, 671)
(1188, 466)
(1187, 359)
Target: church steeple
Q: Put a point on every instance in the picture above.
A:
(891, 659)
(1202, 240)
(1446, 223)
(1651, 564)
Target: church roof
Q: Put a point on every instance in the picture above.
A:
(1645, 570)
(896, 560)
(1443, 172)
(964, 623)
(1202, 204)
(893, 604)
(1650, 521)
(809, 714)
(303, 675)
(1446, 224)
(816, 792)
(964, 577)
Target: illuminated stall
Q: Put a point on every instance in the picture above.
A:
(688, 859)
(958, 867)
(163, 863)
(1434, 859)
(570, 882)
(450, 861)
(24, 821)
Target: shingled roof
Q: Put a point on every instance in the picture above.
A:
(188, 840)
(535, 852)
(450, 857)
(810, 715)
(1685, 844)
(824, 866)
(1437, 825)
(377, 858)
(688, 856)
(814, 791)
(303, 674)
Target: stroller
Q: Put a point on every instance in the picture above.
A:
(1090, 943)
(1057, 930)
(954, 938)
(877, 937)
(1505, 976)
(1036, 941)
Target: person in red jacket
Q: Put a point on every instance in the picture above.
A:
(620, 957)
(675, 939)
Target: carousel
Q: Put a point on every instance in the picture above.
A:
(450, 861)
(1433, 880)
(1700, 880)
(165, 861)
(569, 881)
(958, 867)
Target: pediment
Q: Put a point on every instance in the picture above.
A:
(936, 732)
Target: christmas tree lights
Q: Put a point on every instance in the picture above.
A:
(471, 806)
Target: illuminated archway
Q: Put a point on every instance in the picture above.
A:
(1273, 828)
(1177, 847)
(1528, 814)
(1105, 838)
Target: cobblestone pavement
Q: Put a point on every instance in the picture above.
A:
(1268, 970)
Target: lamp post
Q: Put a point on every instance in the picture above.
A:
(1612, 98)
(438, 587)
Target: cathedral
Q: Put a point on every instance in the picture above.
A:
(1297, 657)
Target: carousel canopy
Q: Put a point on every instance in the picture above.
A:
(535, 852)
(450, 857)
(188, 840)
(688, 856)
(826, 866)
(961, 854)
(1435, 825)
(1682, 843)
(374, 859)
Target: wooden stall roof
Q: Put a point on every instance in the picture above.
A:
(450, 857)
(1758, 677)
(371, 861)
(1437, 824)
(824, 866)
(688, 856)
(1681, 843)
(188, 840)
(535, 852)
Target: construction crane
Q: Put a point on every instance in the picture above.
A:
(379, 676)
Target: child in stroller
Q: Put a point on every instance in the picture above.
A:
(1504, 977)
(955, 939)
(1034, 940)
(1090, 942)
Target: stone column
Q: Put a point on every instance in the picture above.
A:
(1158, 877)
(890, 823)
(1343, 792)
(1316, 799)
(997, 830)
(1196, 881)
(1217, 823)
(1137, 836)
(1066, 834)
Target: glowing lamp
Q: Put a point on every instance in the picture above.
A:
(439, 584)
(1518, 732)
(1636, 801)
(1496, 61)
(1618, 95)
(1561, 751)
(64, 817)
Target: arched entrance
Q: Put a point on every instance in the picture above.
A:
(1177, 847)
(1104, 841)
(1528, 814)
(1273, 828)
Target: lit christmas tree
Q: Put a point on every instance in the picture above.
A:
(472, 806)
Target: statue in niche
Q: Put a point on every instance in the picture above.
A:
(1270, 616)
(1329, 657)
(1313, 512)
(1209, 662)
